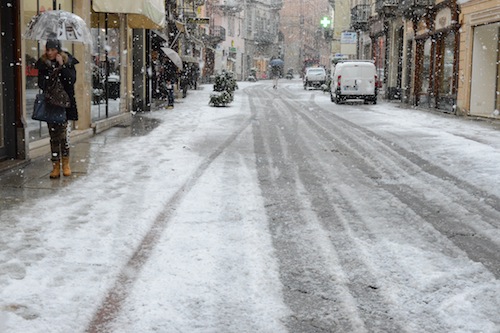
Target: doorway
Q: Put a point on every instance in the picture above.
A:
(2, 116)
(485, 66)
(9, 79)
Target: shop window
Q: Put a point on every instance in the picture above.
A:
(426, 67)
(380, 58)
(34, 50)
(105, 67)
(485, 69)
(447, 64)
(409, 71)
(497, 93)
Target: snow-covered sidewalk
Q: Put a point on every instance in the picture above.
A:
(61, 255)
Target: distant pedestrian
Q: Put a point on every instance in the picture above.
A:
(169, 86)
(184, 82)
(275, 73)
(160, 82)
(55, 64)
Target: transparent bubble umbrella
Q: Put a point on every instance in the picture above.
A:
(58, 24)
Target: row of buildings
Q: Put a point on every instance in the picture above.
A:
(121, 70)
(437, 54)
(441, 54)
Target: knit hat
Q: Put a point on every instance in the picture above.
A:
(53, 44)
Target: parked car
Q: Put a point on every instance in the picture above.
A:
(354, 79)
(114, 86)
(314, 77)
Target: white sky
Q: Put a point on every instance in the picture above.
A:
(212, 264)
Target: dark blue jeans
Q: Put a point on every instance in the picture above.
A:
(170, 97)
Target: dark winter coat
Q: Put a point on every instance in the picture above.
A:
(275, 71)
(67, 75)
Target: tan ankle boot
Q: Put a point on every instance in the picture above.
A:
(65, 166)
(56, 169)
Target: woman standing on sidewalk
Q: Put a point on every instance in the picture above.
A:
(62, 64)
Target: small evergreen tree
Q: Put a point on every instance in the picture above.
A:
(226, 85)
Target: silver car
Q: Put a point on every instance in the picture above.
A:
(314, 77)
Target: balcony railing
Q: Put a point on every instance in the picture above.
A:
(359, 16)
(217, 34)
(387, 7)
(264, 37)
(415, 8)
(188, 13)
(276, 4)
(231, 6)
(197, 3)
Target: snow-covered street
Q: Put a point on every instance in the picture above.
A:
(283, 212)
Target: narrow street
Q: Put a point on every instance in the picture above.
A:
(351, 205)
(283, 212)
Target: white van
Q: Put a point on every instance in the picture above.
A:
(354, 79)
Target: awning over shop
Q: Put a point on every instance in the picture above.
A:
(98, 20)
(180, 26)
(142, 14)
(190, 59)
(196, 41)
(161, 35)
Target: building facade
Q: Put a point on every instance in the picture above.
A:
(306, 42)
(229, 51)
(434, 38)
(415, 46)
(438, 54)
(262, 35)
(111, 80)
(479, 66)
(360, 14)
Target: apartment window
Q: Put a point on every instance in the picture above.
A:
(249, 23)
(230, 26)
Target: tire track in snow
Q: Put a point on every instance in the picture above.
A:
(395, 169)
(417, 307)
(323, 298)
(351, 234)
(115, 297)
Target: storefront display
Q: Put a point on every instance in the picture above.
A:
(485, 70)
(479, 66)
(436, 60)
